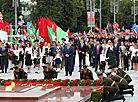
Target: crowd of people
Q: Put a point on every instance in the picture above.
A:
(102, 51)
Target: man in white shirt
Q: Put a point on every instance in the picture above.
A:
(131, 49)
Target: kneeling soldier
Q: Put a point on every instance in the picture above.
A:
(49, 73)
(124, 75)
(110, 88)
(86, 73)
(19, 73)
(122, 83)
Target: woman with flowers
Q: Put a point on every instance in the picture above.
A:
(15, 55)
(134, 57)
(28, 57)
(111, 55)
(44, 53)
(10, 56)
(49, 56)
(21, 55)
(122, 51)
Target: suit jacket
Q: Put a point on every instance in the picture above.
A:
(117, 48)
(95, 50)
(82, 49)
(2, 52)
(70, 53)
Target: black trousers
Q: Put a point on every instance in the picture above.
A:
(80, 61)
(4, 63)
(90, 59)
(132, 61)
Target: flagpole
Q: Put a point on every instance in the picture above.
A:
(114, 14)
(100, 14)
(15, 17)
(91, 12)
(134, 11)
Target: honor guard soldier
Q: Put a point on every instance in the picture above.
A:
(110, 88)
(124, 75)
(49, 73)
(122, 83)
(19, 73)
(86, 73)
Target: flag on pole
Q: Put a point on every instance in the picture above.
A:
(69, 34)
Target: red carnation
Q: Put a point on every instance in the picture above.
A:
(62, 56)
(27, 51)
(59, 47)
(116, 48)
(113, 56)
(89, 71)
(102, 61)
(20, 51)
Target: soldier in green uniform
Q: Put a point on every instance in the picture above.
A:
(49, 73)
(110, 87)
(124, 75)
(122, 83)
(86, 73)
(19, 73)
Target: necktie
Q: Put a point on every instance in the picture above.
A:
(97, 50)
(67, 48)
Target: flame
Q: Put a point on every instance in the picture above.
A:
(10, 87)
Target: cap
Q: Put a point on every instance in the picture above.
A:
(85, 66)
(36, 41)
(70, 39)
(16, 66)
(26, 41)
(20, 41)
(112, 66)
(54, 42)
(45, 66)
(107, 73)
(63, 39)
(99, 73)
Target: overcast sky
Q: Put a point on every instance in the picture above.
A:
(25, 0)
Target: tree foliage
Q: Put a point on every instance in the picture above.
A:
(72, 14)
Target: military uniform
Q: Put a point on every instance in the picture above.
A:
(123, 74)
(110, 87)
(19, 73)
(122, 83)
(86, 75)
(49, 73)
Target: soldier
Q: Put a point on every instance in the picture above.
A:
(49, 73)
(122, 83)
(86, 73)
(124, 75)
(110, 88)
(19, 73)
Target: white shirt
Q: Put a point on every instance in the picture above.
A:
(29, 50)
(21, 49)
(58, 56)
(102, 57)
(133, 53)
(131, 48)
(16, 52)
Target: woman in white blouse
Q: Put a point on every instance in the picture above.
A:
(135, 57)
(11, 65)
(21, 55)
(15, 56)
(28, 57)
(122, 47)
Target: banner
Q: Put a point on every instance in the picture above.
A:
(89, 19)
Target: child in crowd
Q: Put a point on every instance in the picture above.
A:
(58, 60)
(102, 61)
(126, 56)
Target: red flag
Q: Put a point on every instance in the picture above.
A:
(97, 28)
(68, 32)
(49, 22)
(116, 24)
(90, 32)
(108, 26)
(34, 26)
(54, 29)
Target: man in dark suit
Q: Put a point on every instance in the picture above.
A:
(96, 54)
(117, 45)
(82, 53)
(68, 52)
(4, 58)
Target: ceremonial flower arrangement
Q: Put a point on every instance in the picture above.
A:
(46, 53)
(100, 64)
(38, 58)
(20, 52)
(115, 59)
(4, 54)
(45, 82)
(26, 54)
